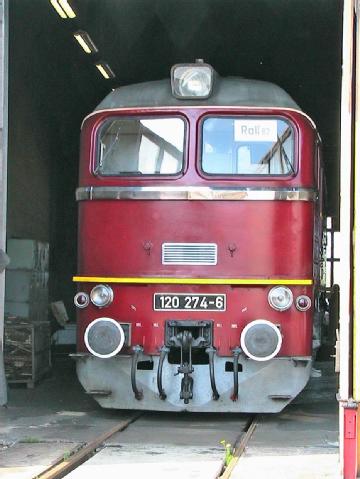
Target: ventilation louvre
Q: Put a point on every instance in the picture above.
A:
(189, 253)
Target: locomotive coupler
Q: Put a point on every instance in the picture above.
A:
(185, 341)
(186, 335)
(187, 382)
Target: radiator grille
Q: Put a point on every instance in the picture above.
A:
(189, 253)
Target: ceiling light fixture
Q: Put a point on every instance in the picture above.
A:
(64, 4)
(85, 41)
(105, 70)
(63, 8)
(57, 7)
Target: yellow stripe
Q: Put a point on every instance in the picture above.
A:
(244, 281)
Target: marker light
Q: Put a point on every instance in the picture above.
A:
(303, 303)
(261, 340)
(280, 298)
(81, 300)
(104, 337)
(192, 80)
(101, 295)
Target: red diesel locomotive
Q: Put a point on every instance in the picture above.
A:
(200, 238)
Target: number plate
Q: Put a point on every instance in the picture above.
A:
(189, 302)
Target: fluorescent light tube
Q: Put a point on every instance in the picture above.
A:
(105, 70)
(85, 42)
(57, 7)
(67, 8)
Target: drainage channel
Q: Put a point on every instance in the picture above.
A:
(160, 445)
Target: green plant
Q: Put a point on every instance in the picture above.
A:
(228, 452)
(30, 440)
(66, 455)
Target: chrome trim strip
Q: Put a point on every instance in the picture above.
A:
(193, 193)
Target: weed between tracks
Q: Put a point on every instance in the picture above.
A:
(30, 440)
(228, 452)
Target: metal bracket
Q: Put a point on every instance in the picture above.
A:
(137, 392)
(236, 353)
(99, 392)
(164, 351)
(211, 353)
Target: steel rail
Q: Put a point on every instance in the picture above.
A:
(63, 467)
(239, 449)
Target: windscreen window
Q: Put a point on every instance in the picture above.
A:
(141, 146)
(247, 146)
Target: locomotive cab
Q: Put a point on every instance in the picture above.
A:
(200, 245)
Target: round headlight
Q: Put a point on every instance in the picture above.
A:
(280, 298)
(101, 295)
(261, 340)
(104, 337)
(81, 300)
(303, 303)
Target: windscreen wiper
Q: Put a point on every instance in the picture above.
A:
(283, 153)
(103, 158)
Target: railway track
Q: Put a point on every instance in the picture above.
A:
(67, 465)
(239, 448)
(148, 443)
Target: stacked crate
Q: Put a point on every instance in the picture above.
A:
(27, 329)
(27, 350)
(27, 275)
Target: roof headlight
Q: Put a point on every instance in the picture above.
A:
(280, 298)
(101, 295)
(192, 80)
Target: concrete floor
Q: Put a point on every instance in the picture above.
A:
(301, 442)
(163, 445)
(58, 397)
(40, 426)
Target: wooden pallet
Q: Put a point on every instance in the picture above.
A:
(27, 351)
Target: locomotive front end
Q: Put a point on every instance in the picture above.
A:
(199, 246)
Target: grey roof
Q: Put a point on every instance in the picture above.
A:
(230, 91)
